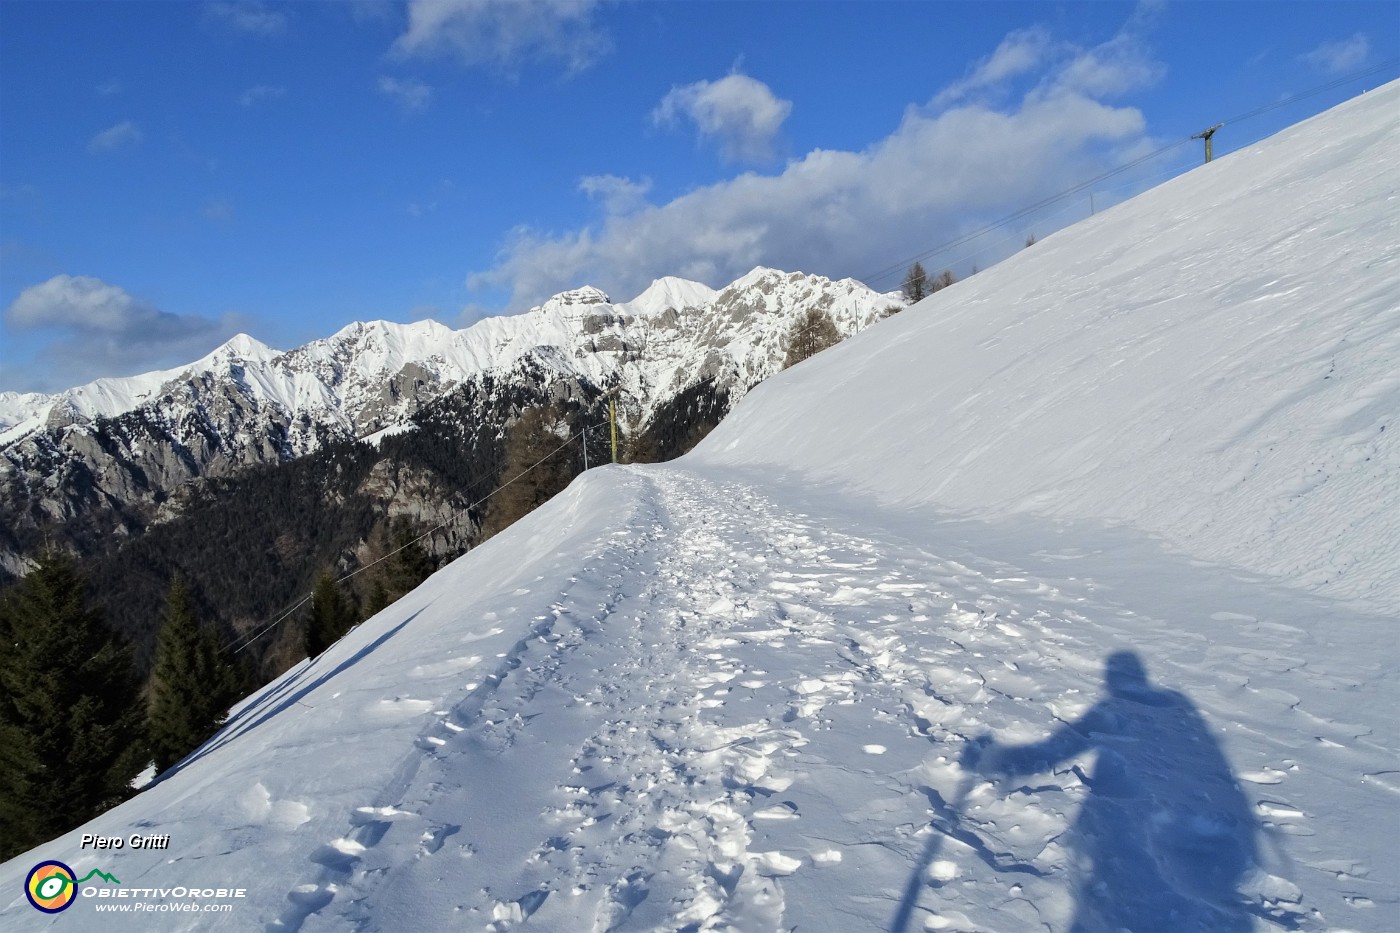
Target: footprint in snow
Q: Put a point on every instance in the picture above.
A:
(621, 899)
(434, 838)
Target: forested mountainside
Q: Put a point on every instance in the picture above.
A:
(250, 472)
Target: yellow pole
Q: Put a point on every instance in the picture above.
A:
(612, 420)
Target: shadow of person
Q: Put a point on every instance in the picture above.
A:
(1165, 835)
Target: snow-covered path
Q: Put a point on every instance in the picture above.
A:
(1065, 599)
(695, 698)
(747, 714)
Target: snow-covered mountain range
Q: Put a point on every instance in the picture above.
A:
(370, 376)
(1064, 600)
(128, 443)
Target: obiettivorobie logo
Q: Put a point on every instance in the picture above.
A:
(52, 886)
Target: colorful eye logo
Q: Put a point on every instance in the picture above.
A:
(50, 886)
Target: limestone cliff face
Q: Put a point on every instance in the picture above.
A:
(418, 499)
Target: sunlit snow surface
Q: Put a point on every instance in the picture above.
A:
(1217, 362)
(733, 693)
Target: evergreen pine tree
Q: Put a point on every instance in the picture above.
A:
(331, 616)
(192, 685)
(410, 564)
(70, 710)
(378, 598)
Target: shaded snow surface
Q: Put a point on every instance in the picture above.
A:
(970, 670)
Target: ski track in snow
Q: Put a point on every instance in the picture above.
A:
(742, 718)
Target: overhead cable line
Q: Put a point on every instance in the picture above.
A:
(438, 527)
(881, 274)
(1017, 215)
(1313, 91)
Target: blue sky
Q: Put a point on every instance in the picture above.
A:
(172, 173)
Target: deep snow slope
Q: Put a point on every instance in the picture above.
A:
(767, 691)
(1216, 362)
(697, 700)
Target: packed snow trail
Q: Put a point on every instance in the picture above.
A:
(680, 698)
(746, 717)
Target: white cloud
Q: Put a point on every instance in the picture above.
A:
(81, 301)
(1109, 70)
(617, 195)
(739, 112)
(256, 95)
(412, 95)
(1341, 56)
(100, 329)
(1114, 67)
(124, 134)
(942, 172)
(109, 88)
(1020, 52)
(504, 33)
(252, 17)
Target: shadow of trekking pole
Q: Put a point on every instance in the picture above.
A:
(948, 813)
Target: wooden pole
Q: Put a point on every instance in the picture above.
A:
(1206, 135)
(612, 422)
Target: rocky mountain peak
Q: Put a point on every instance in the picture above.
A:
(762, 274)
(127, 445)
(241, 347)
(573, 303)
(670, 293)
